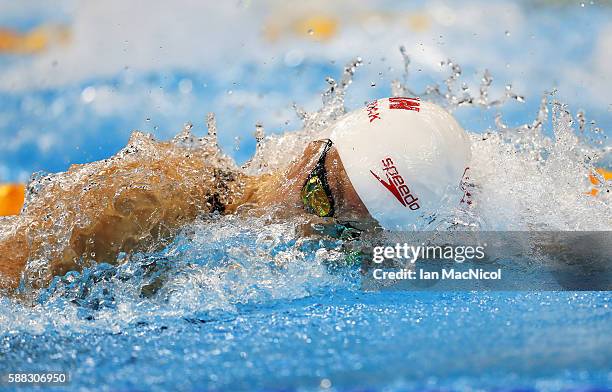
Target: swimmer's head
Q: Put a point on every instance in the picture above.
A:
(403, 158)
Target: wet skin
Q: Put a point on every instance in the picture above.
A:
(130, 204)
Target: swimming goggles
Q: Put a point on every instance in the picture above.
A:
(316, 195)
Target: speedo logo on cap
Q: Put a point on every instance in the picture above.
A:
(396, 185)
(405, 103)
(402, 103)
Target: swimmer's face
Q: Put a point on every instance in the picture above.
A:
(347, 204)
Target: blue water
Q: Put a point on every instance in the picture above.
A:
(356, 340)
(243, 309)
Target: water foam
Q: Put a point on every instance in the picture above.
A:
(530, 177)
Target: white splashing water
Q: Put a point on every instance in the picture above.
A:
(214, 268)
(531, 177)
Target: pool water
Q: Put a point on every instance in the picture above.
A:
(235, 305)
(345, 339)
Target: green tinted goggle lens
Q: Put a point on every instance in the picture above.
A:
(315, 198)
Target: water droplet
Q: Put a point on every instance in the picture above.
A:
(88, 94)
(310, 31)
(229, 92)
(325, 383)
(259, 133)
(372, 84)
(582, 4)
(185, 86)
(507, 33)
(211, 124)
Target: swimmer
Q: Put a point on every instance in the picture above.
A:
(389, 165)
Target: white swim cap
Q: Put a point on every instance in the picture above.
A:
(403, 157)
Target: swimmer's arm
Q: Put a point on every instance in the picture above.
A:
(13, 253)
(130, 203)
(101, 209)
